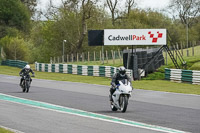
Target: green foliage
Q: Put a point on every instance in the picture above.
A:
(47, 41)
(31, 5)
(14, 14)
(155, 76)
(15, 48)
(195, 66)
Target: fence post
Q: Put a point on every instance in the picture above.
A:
(113, 56)
(83, 57)
(88, 56)
(54, 58)
(72, 58)
(177, 49)
(176, 52)
(107, 56)
(100, 56)
(67, 58)
(119, 56)
(51, 60)
(166, 56)
(77, 57)
(58, 59)
(187, 50)
(94, 56)
(182, 48)
(177, 46)
(192, 48)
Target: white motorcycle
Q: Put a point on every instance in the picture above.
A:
(121, 96)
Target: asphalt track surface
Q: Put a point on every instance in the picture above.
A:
(171, 110)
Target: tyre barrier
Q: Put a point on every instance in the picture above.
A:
(99, 71)
(179, 75)
(14, 63)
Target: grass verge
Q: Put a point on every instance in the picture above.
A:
(2, 130)
(157, 85)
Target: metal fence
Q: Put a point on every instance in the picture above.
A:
(88, 56)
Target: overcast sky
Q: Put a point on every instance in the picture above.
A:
(156, 4)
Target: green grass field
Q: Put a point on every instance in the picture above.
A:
(193, 63)
(157, 85)
(191, 60)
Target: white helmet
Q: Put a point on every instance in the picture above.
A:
(122, 71)
(27, 67)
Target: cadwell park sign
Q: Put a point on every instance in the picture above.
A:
(135, 37)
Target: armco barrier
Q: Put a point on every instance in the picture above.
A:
(14, 63)
(179, 75)
(101, 71)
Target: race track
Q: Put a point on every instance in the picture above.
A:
(175, 111)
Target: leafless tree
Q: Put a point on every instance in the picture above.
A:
(187, 10)
(86, 6)
(112, 6)
(129, 5)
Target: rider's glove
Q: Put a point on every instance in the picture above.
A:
(116, 86)
(20, 74)
(33, 75)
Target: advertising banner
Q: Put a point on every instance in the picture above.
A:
(135, 37)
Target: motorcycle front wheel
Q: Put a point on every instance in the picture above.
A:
(123, 103)
(27, 86)
(23, 86)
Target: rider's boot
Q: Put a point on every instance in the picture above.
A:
(110, 96)
(21, 82)
(111, 92)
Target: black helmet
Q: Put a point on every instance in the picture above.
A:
(122, 71)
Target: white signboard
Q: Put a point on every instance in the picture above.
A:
(135, 37)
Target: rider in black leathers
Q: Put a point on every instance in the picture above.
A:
(115, 80)
(25, 71)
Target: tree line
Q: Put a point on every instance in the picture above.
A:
(26, 36)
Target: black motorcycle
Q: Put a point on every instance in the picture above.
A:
(26, 83)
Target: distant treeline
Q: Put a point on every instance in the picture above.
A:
(24, 36)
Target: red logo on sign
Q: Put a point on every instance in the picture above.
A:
(155, 39)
